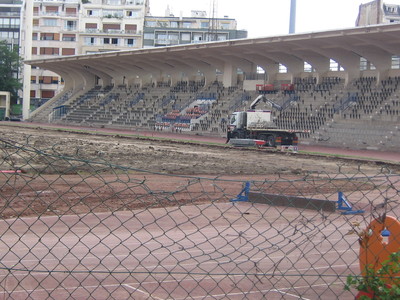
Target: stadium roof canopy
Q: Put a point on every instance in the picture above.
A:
(377, 44)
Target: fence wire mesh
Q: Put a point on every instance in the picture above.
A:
(72, 228)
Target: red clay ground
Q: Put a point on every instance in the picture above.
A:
(101, 211)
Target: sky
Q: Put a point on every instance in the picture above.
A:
(262, 18)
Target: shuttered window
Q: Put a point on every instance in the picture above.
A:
(51, 9)
(107, 27)
(47, 94)
(68, 51)
(49, 51)
(49, 36)
(130, 28)
(69, 37)
(91, 25)
(70, 11)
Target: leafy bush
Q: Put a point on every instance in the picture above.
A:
(381, 284)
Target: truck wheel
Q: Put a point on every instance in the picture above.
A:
(271, 141)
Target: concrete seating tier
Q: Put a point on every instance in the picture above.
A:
(363, 114)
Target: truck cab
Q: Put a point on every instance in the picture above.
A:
(237, 125)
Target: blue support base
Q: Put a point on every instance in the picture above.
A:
(244, 194)
(344, 204)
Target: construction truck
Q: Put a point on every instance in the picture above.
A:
(258, 126)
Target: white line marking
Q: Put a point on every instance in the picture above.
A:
(143, 292)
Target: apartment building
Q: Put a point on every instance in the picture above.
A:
(73, 27)
(109, 25)
(170, 30)
(10, 21)
(378, 12)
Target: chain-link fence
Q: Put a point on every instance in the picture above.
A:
(72, 228)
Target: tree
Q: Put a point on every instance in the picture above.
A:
(9, 70)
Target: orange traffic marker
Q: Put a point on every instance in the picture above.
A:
(378, 241)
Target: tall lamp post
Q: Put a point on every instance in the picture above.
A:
(292, 22)
(27, 55)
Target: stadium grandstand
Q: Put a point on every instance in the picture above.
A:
(341, 86)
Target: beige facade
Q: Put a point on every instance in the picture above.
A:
(73, 27)
(112, 25)
(378, 12)
(170, 30)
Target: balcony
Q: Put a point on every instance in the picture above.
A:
(55, 14)
(60, 1)
(166, 42)
(112, 31)
(70, 28)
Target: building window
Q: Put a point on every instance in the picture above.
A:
(15, 23)
(70, 25)
(173, 24)
(70, 11)
(48, 79)
(282, 68)
(151, 23)
(106, 41)
(334, 66)
(222, 37)
(163, 24)
(34, 36)
(112, 28)
(148, 36)
(307, 67)
(225, 26)
(5, 23)
(50, 22)
(130, 28)
(205, 25)
(68, 51)
(186, 25)
(69, 38)
(132, 14)
(93, 13)
(395, 62)
(130, 42)
(114, 41)
(260, 70)
(90, 41)
(48, 36)
(52, 10)
(48, 94)
(363, 64)
(114, 2)
(113, 13)
(33, 79)
(90, 27)
(186, 37)
(49, 51)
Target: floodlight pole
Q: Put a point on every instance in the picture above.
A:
(27, 55)
(292, 22)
